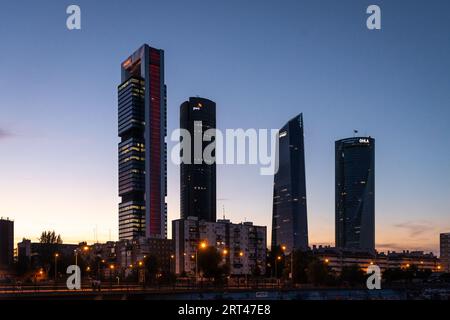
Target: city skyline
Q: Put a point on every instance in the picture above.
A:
(65, 192)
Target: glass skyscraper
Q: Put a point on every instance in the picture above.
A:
(198, 180)
(142, 147)
(355, 193)
(290, 224)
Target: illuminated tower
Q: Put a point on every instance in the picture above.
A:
(142, 147)
(355, 193)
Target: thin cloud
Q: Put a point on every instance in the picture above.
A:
(4, 134)
(415, 229)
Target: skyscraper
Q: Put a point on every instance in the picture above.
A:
(355, 193)
(198, 180)
(445, 251)
(142, 147)
(6, 243)
(290, 224)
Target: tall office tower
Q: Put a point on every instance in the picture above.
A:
(445, 251)
(355, 193)
(6, 243)
(290, 223)
(198, 178)
(142, 147)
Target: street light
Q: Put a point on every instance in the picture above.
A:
(284, 248)
(111, 268)
(56, 265)
(143, 272)
(278, 258)
(85, 249)
(173, 262)
(203, 245)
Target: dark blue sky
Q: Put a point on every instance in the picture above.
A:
(262, 62)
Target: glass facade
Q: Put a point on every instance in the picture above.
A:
(198, 181)
(355, 193)
(289, 224)
(142, 147)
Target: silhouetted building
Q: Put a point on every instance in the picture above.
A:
(355, 193)
(290, 224)
(339, 258)
(6, 243)
(36, 254)
(445, 251)
(198, 177)
(142, 148)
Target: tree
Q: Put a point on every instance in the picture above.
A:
(50, 237)
(301, 260)
(50, 242)
(151, 266)
(405, 275)
(209, 263)
(353, 275)
(318, 272)
(276, 262)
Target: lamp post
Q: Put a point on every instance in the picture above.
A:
(241, 254)
(203, 245)
(278, 258)
(56, 266)
(142, 267)
(172, 260)
(111, 268)
(85, 249)
(291, 275)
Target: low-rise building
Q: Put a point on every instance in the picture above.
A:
(338, 258)
(36, 254)
(131, 252)
(243, 246)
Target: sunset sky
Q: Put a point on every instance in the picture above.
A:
(262, 62)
